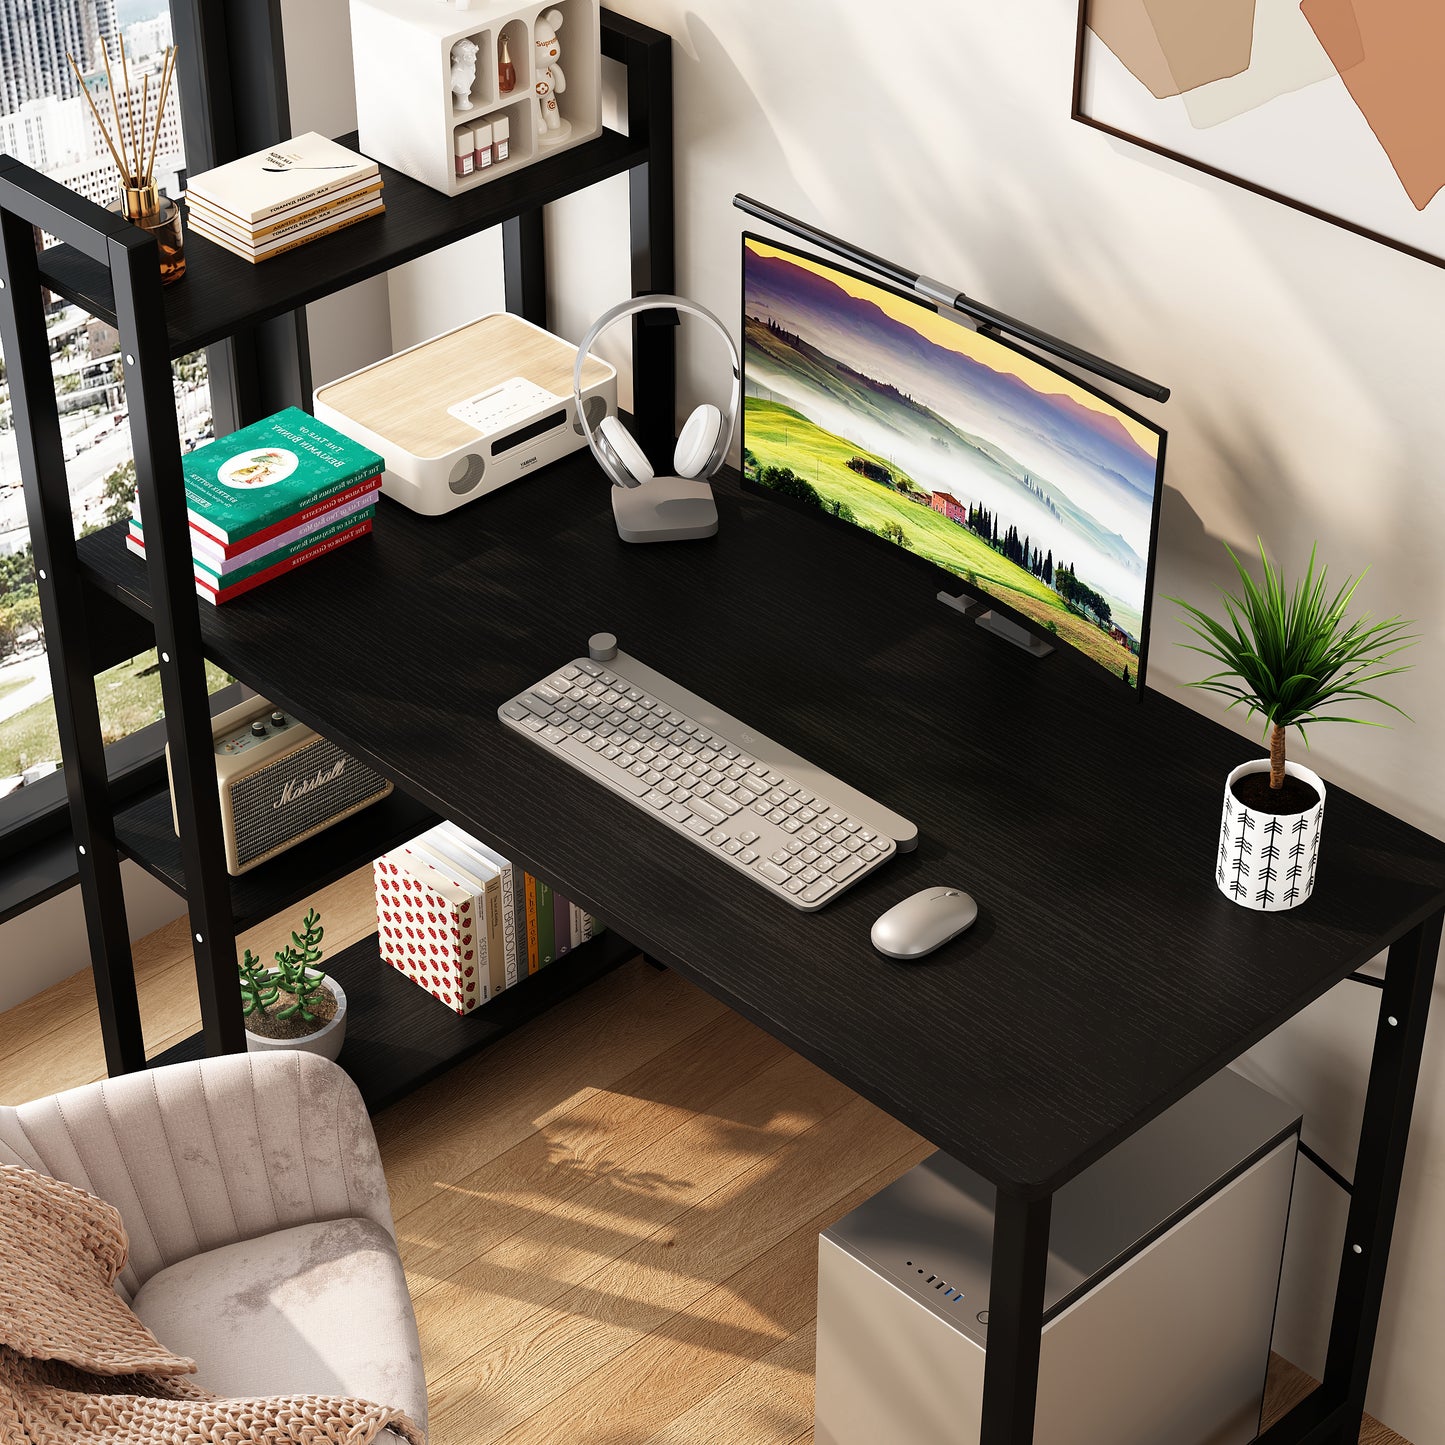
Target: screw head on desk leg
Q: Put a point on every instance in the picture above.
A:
(602, 647)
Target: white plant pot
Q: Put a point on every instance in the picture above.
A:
(1266, 861)
(326, 1041)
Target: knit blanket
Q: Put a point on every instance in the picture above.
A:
(77, 1367)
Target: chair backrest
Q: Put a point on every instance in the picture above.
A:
(199, 1155)
(15, 1147)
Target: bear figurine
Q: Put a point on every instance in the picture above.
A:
(551, 82)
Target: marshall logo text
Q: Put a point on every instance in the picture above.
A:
(299, 787)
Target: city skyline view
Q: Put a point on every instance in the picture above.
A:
(46, 123)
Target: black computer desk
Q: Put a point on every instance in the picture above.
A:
(1106, 976)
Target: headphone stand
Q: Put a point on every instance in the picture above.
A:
(666, 509)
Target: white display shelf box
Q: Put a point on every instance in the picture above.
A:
(405, 115)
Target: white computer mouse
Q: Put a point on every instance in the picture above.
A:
(923, 922)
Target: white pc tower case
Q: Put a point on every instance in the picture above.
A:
(1164, 1267)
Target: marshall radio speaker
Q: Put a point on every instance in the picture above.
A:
(280, 782)
(1164, 1263)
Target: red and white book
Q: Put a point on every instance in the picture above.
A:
(215, 596)
(430, 928)
(217, 557)
(365, 487)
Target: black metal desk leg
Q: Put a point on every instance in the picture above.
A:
(1015, 1319)
(1389, 1103)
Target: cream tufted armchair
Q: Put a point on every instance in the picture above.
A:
(261, 1239)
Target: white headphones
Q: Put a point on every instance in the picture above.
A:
(702, 445)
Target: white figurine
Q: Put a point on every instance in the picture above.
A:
(464, 74)
(550, 80)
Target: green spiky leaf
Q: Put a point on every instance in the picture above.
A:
(1288, 653)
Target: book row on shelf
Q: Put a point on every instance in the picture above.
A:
(465, 923)
(270, 498)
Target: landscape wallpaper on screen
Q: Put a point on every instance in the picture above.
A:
(881, 412)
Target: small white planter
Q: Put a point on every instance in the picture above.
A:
(1266, 861)
(326, 1041)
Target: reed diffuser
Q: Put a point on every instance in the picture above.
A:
(141, 202)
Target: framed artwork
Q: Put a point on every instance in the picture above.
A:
(1335, 107)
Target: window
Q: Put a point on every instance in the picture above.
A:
(46, 122)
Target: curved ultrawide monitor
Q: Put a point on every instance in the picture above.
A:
(1035, 490)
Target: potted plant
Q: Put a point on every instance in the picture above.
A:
(1291, 656)
(293, 1006)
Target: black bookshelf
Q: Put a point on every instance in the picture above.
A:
(222, 293)
(145, 830)
(109, 268)
(398, 1037)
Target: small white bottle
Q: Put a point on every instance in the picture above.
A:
(482, 141)
(501, 135)
(464, 151)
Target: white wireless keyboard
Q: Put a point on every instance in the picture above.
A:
(792, 828)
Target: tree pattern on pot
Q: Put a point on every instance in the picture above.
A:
(1267, 861)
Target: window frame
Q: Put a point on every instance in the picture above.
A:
(231, 73)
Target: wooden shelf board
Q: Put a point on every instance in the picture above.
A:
(222, 294)
(145, 831)
(398, 1037)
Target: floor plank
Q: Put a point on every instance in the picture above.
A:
(608, 1221)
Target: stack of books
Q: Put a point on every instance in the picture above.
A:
(270, 498)
(465, 923)
(271, 202)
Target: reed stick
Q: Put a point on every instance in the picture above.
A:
(115, 108)
(163, 91)
(130, 113)
(145, 86)
(105, 133)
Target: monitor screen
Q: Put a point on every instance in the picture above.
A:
(1031, 487)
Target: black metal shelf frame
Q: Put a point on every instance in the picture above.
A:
(110, 268)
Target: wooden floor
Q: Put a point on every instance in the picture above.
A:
(609, 1221)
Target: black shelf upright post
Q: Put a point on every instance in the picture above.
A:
(36, 418)
(524, 266)
(155, 436)
(650, 202)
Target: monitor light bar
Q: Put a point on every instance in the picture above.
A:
(938, 294)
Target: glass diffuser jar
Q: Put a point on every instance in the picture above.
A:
(148, 207)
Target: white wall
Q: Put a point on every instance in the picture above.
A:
(48, 943)
(352, 328)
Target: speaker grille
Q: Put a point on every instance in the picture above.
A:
(298, 795)
(467, 474)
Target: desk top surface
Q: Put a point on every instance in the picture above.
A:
(1106, 975)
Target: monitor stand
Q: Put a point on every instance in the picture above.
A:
(990, 621)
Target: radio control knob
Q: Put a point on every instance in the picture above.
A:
(602, 647)
(279, 719)
(258, 729)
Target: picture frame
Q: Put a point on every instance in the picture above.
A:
(1305, 127)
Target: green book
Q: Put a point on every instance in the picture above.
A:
(546, 904)
(207, 572)
(270, 471)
